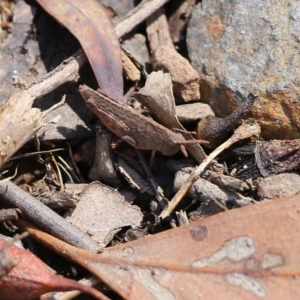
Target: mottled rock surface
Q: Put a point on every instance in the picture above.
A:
(278, 186)
(243, 46)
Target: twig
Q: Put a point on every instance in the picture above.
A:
(246, 130)
(36, 153)
(10, 177)
(55, 106)
(180, 12)
(137, 15)
(92, 281)
(158, 195)
(79, 175)
(158, 31)
(61, 183)
(16, 131)
(46, 218)
(67, 168)
(37, 145)
(50, 174)
(66, 172)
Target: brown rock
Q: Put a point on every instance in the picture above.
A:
(193, 112)
(130, 71)
(243, 46)
(137, 47)
(185, 79)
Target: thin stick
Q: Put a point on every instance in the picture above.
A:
(55, 106)
(158, 31)
(61, 183)
(37, 145)
(66, 172)
(69, 168)
(80, 177)
(36, 153)
(158, 194)
(246, 130)
(92, 281)
(137, 15)
(46, 218)
(10, 177)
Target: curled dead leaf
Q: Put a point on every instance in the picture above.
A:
(30, 278)
(88, 22)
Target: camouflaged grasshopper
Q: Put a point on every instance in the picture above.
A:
(134, 128)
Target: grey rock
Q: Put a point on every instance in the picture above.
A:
(277, 186)
(203, 190)
(243, 46)
(120, 7)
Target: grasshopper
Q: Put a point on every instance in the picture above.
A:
(134, 128)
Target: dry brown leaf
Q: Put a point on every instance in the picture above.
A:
(89, 23)
(30, 277)
(246, 253)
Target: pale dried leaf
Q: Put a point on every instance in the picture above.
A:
(157, 95)
(102, 211)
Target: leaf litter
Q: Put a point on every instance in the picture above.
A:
(248, 252)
